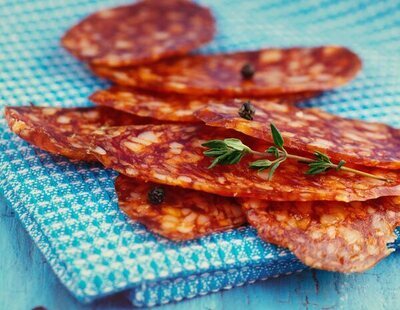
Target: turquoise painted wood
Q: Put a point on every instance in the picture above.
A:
(26, 281)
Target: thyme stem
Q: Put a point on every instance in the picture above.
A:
(332, 165)
(365, 174)
(230, 151)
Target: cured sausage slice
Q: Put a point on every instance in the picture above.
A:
(63, 131)
(277, 71)
(355, 141)
(173, 155)
(336, 236)
(166, 107)
(183, 214)
(140, 33)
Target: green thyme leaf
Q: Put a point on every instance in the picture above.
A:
(221, 160)
(214, 144)
(227, 158)
(214, 152)
(230, 157)
(276, 135)
(236, 157)
(323, 157)
(340, 164)
(273, 150)
(317, 170)
(261, 164)
(318, 164)
(272, 170)
(214, 163)
(236, 144)
(226, 152)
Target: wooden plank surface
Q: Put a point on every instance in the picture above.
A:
(26, 281)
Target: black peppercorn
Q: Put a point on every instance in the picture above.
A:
(247, 111)
(247, 71)
(156, 195)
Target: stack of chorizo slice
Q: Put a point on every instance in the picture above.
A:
(150, 127)
(357, 142)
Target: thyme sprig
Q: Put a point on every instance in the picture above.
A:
(230, 151)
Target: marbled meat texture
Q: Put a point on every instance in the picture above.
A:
(335, 236)
(173, 155)
(169, 107)
(309, 130)
(64, 131)
(140, 33)
(183, 215)
(277, 71)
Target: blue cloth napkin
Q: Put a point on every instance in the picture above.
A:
(70, 208)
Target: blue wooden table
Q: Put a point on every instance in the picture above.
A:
(26, 281)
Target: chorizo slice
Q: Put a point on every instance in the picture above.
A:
(276, 71)
(173, 155)
(176, 213)
(335, 236)
(167, 107)
(64, 131)
(140, 33)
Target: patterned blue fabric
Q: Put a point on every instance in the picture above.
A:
(70, 208)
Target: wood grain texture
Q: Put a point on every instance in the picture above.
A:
(26, 281)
